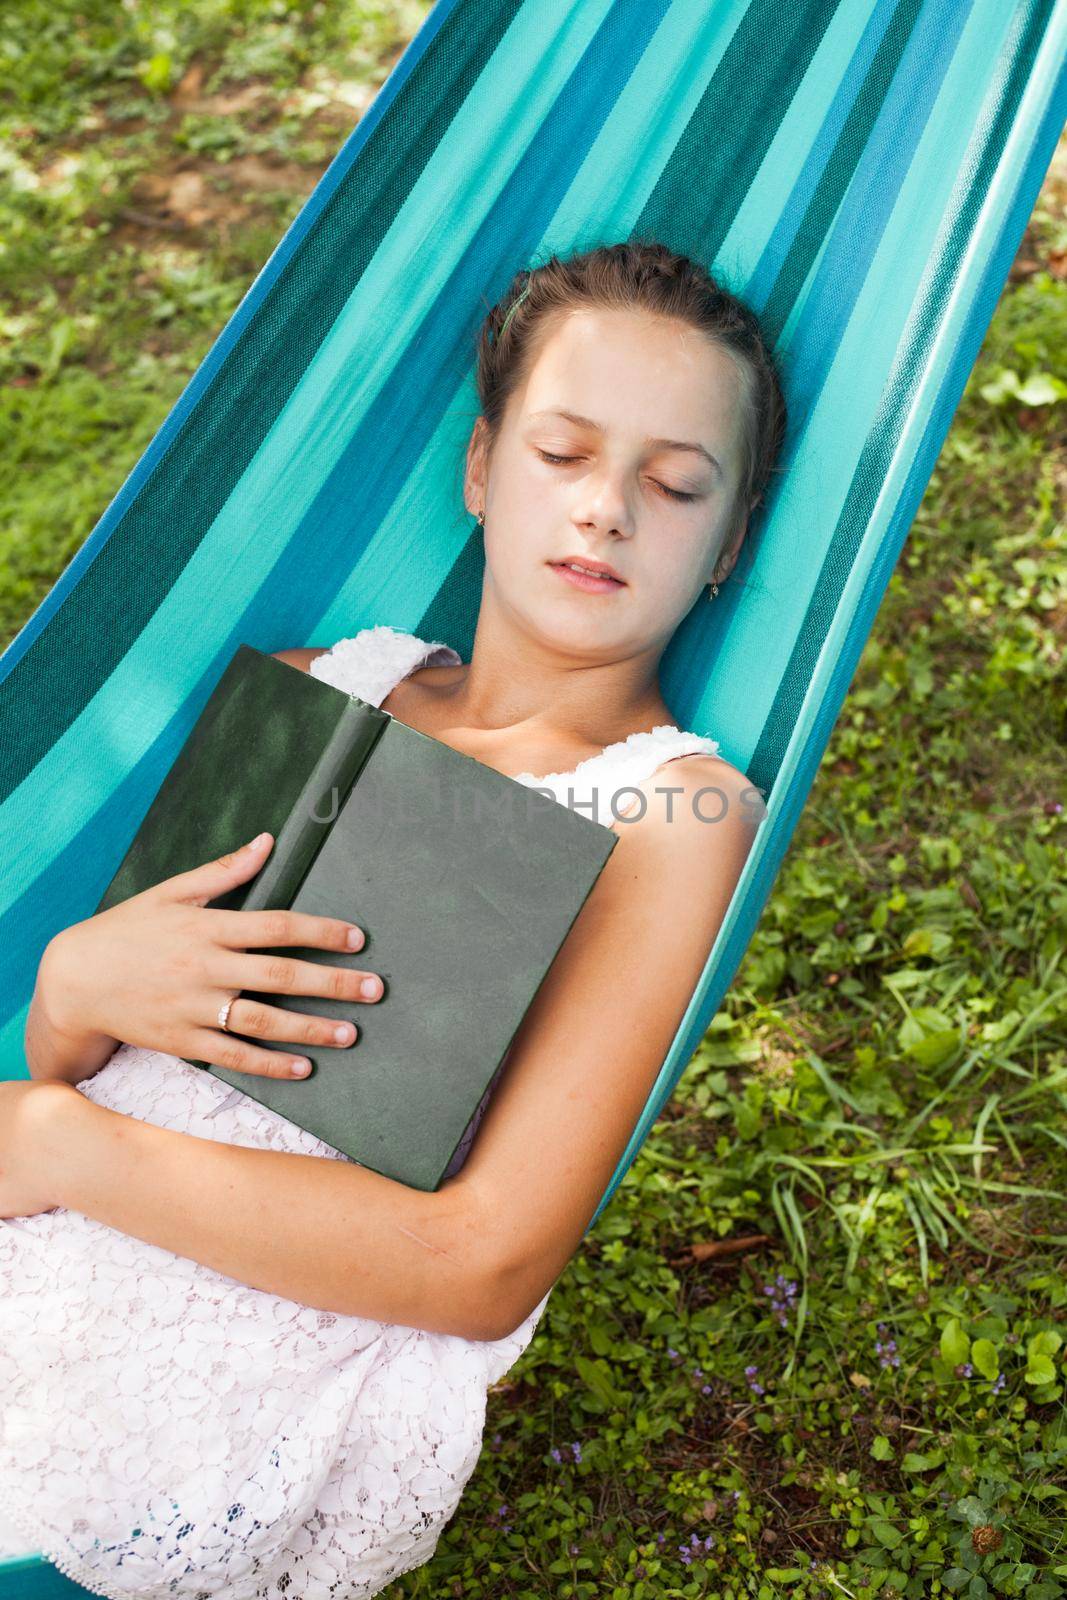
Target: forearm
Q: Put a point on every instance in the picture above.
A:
(55, 1052)
(323, 1232)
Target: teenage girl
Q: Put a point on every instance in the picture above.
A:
(232, 1361)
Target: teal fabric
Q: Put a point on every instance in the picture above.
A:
(861, 170)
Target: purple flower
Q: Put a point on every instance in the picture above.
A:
(687, 1551)
(639, 1571)
(500, 1513)
(672, 1355)
(750, 1374)
(968, 1370)
(887, 1350)
(783, 1292)
(575, 1448)
(999, 1384)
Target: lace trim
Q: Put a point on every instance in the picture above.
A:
(639, 744)
(70, 1566)
(377, 659)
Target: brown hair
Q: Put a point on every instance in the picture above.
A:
(643, 275)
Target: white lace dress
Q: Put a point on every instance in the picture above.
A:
(168, 1431)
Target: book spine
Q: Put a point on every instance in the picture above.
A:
(329, 784)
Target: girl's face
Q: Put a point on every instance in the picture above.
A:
(624, 447)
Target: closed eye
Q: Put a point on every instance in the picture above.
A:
(675, 494)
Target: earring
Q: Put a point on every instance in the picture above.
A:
(481, 518)
(713, 589)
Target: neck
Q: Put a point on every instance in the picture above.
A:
(520, 683)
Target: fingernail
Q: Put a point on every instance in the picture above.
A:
(301, 1068)
(257, 841)
(355, 938)
(368, 988)
(344, 1033)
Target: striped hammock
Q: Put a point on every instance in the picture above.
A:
(861, 171)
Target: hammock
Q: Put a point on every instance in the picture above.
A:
(861, 171)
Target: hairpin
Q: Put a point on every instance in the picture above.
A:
(513, 309)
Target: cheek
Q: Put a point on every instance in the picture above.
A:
(505, 553)
(534, 486)
(520, 498)
(677, 566)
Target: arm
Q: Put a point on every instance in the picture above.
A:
(474, 1257)
(592, 1043)
(321, 1231)
(55, 1050)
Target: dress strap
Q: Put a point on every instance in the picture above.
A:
(373, 661)
(699, 747)
(599, 787)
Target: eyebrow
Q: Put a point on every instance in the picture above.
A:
(669, 444)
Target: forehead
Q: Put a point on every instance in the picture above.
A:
(636, 373)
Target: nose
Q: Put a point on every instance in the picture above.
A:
(603, 504)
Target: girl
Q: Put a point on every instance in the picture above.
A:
(232, 1361)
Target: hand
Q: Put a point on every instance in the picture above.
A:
(155, 969)
(33, 1125)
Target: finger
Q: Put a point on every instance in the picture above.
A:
(265, 1021)
(212, 878)
(226, 1050)
(243, 930)
(282, 974)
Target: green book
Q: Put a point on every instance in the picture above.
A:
(464, 881)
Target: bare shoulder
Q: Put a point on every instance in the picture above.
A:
(693, 806)
(302, 656)
(592, 1043)
(682, 852)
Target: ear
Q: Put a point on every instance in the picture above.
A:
(474, 477)
(727, 558)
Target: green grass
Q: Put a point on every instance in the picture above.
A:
(877, 1114)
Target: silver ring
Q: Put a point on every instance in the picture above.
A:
(224, 1011)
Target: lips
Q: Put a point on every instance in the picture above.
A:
(592, 569)
(593, 583)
